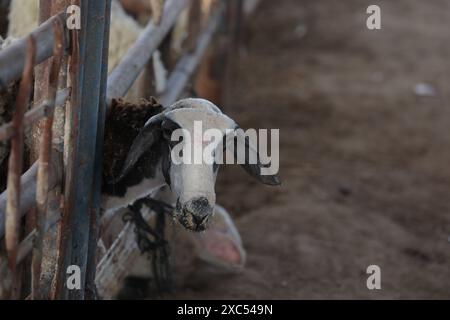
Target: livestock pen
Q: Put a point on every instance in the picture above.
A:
(362, 212)
(65, 71)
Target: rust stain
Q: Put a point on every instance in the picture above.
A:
(42, 186)
(16, 164)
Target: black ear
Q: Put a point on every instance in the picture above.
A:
(142, 143)
(166, 161)
(255, 171)
(252, 169)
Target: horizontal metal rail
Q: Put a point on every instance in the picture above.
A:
(134, 61)
(187, 65)
(12, 58)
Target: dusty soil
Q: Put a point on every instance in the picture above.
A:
(365, 162)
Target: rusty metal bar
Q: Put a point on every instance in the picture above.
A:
(70, 134)
(123, 76)
(195, 24)
(42, 187)
(12, 58)
(13, 213)
(84, 120)
(41, 72)
(187, 65)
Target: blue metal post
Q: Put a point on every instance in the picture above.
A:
(87, 102)
(97, 183)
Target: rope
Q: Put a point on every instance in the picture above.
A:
(152, 241)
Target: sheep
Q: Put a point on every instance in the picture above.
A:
(148, 165)
(24, 16)
(7, 100)
(124, 31)
(145, 170)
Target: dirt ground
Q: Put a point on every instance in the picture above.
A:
(364, 161)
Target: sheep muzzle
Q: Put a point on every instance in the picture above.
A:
(194, 214)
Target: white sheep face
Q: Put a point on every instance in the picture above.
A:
(193, 182)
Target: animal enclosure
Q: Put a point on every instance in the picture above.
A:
(359, 90)
(55, 178)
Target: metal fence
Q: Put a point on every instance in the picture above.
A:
(73, 66)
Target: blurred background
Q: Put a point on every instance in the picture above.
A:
(364, 120)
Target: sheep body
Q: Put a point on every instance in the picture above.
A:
(124, 30)
(7, 100)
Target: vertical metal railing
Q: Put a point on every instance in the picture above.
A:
(45, 149)
(97, 179)
(15, 167)
(85, 106)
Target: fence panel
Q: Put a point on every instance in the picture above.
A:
(89, 95)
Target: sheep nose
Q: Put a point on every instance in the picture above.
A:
(199, 209)
(199, 219)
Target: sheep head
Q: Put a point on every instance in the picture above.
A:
(193, 183)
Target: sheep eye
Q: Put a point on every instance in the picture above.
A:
(167, 128)
(174, 143)
(167, 134)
